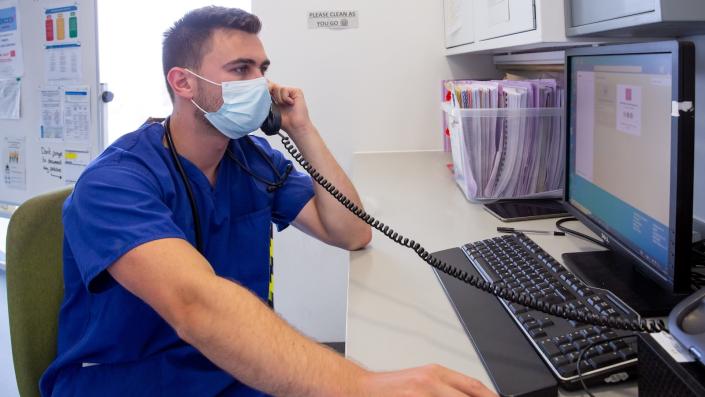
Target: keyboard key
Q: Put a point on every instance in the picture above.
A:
(618, 345)
(525, 318)
(550, 348)
(537, 333)
(533, 324)
(567, 348)
(517, 309)
(588, 332)
(580, 344)
(627, 354)
(604, 360)
(559, 361)
(545, 322)
(567, 370)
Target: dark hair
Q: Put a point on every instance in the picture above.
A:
(188, 40)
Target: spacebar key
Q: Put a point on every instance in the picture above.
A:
(485, 269)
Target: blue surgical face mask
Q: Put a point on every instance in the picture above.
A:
(246, 104)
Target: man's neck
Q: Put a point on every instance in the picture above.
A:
(198, 143)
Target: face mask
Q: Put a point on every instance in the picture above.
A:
(246, 104)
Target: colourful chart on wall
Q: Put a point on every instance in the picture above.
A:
(62, 61)
(61, 25)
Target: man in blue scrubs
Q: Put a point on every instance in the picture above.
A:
(148, 311)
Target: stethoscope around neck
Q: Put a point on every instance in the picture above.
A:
(271, 186)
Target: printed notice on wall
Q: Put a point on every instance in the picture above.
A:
(75, 161)
(52, 126)
(52, 157)
(10, 90)
(333, 19)
(77, 114)
(15, 159)
(629, 109)
(11, 65)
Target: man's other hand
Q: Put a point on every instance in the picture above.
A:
(428, 381)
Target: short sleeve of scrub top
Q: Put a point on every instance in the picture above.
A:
(296, 192)
(129, 214)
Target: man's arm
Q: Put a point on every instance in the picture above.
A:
(323, 217)
(241, 335)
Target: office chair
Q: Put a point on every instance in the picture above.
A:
(35, 286)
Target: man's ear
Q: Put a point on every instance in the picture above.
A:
(181, 83)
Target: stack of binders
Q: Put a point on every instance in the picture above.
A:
(506, 137)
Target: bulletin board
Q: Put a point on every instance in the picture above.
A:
(49, 58)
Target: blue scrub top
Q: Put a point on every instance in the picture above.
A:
(131, 194)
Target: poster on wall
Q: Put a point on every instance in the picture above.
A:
(62, 45)
(10, 90)
(52, 120)
(52, 159)
(76, 160)
(11, 65)
(14, 159)
(77, 114)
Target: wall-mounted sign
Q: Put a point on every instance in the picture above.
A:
(333, 20)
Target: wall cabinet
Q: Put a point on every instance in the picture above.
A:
(497, 18)
(455, 13)
(627, 18)
(503, 25)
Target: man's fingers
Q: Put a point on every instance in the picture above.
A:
(466, 384)
(287, 95)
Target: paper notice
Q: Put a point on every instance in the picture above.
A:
(14, 156)
(52, 120)
(52, 158)
(75, 161)
(10, 99)
(77, 114)
(63, 63)
(629, 109)
(11, 65)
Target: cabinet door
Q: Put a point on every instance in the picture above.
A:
(585, 12)
(497, 18)
(458, 22)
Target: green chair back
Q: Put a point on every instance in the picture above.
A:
(35, 286)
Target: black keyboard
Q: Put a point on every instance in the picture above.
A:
(516, 262)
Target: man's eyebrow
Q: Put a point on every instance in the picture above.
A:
(246, 61)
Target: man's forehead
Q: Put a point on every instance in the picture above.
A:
(229, 44)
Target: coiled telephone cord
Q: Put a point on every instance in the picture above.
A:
(622, 323)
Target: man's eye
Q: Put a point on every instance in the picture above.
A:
(263, 70)
(240, 69)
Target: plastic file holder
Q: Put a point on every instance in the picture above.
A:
(502, 153)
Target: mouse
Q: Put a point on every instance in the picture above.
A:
(686, 323)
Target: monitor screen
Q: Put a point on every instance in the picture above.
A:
(622, 153)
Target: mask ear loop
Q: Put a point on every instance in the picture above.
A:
(204, 79)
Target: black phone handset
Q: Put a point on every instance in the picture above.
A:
(272, 126)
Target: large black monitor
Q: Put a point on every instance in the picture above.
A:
(630, 165)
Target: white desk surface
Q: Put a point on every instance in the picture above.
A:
(398, 315)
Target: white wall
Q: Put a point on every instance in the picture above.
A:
(375, 88)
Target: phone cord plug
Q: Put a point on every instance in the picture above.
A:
(638, 325)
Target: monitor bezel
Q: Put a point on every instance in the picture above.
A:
(682, 157)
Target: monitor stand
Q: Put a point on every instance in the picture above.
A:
(616, 273)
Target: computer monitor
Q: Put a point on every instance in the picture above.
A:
(630, 163)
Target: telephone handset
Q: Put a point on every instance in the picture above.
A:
(272, 125)
(687, 324)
